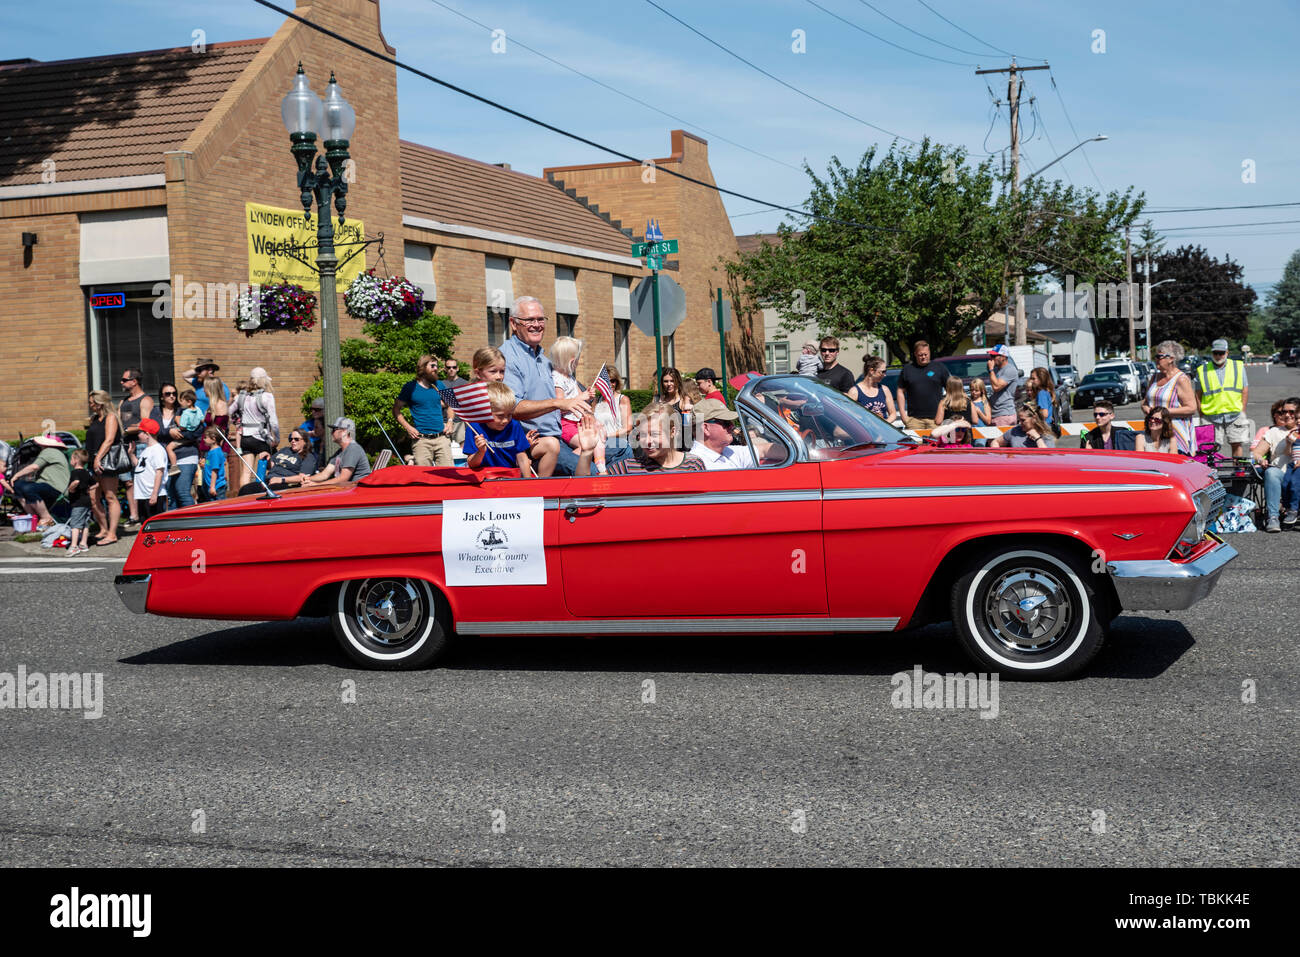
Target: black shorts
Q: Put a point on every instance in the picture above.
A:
(251, 446)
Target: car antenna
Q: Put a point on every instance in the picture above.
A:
(269, 493)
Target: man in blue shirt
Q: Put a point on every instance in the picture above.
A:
(528, 373)
(429, 442)
(195, 376)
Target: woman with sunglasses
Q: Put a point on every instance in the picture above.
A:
(182, 443)
(289, 466)
(1171, 390)
(1158, 436)
(1275, 448)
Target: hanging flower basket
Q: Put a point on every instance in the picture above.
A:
(393, 300)
(274, 307)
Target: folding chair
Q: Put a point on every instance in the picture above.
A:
(382, 460)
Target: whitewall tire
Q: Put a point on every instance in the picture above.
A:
(390, 624)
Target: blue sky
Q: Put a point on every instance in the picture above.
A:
(1186, 91)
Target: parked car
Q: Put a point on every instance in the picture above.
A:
(1100, 385)
(1275, 357)
(1068, 375)
(1128, 373)
(1030, 552)
(1292, 357)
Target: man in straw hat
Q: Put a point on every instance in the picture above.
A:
(49, 476)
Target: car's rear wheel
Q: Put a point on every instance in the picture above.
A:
(1031, 613)
(390, 624)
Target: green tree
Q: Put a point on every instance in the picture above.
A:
(1208, 301)
(366, 396)
(388, 348)
(1284, 306)
(917, 244)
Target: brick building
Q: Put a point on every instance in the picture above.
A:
(128, 173)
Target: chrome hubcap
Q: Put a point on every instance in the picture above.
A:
(388, 611)
(1028, 610)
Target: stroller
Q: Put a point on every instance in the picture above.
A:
(1243, 477)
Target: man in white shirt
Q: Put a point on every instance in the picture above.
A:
(715, 427)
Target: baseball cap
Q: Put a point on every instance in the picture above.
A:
(1219, 345)
(343, 423)
(1001, 349)
(707, 373)
(149, 425)
(318, 403)
(706, 410)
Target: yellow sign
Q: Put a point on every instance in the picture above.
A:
(274, 232)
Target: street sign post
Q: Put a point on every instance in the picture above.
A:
(722, 322)
(654, 262)
(653, 322)
(664, 248)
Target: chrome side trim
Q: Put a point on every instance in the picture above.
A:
(716, 626)
(133, 590)
(695, 498)
(1155, 584)
(288, 517)
(307, 515)
(952, 491)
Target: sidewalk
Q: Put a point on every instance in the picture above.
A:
(9, 548)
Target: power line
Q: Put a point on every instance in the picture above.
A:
(1202, 209)
(613, 89)
(882, 39)
(1052, 77)
(1267, 222)
(924, 36)
(973, 36)
(771, 76)
(549, 126)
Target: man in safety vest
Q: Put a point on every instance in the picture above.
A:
(1223, 392)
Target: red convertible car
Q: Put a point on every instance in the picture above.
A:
(845, 524)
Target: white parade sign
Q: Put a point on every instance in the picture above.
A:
(493, 542)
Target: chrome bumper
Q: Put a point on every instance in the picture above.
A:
(133, 590)
(1168, 586)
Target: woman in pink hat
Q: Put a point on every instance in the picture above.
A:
(49, 476)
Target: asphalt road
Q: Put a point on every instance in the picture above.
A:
(1152, 758)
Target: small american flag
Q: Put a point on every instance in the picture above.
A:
(469, 401)
(605, 387)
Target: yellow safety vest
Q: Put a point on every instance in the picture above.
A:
(1221, 396)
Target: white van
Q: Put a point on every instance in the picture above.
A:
(1128, 373)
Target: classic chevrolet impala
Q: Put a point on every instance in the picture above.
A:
(845, 525)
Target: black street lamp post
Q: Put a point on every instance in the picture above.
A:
(304, 117)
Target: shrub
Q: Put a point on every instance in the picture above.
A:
(366, 395)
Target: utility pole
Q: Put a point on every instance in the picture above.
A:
(1013, 98)
(1128, 292)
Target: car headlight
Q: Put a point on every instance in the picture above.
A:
(1209, 503)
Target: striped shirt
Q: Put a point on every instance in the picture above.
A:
(634, 465)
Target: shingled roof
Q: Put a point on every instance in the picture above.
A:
(109, 116)
(455, 189)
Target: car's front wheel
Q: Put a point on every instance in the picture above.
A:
(1030, 613)
(390, 624)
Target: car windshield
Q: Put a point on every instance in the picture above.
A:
(1113, 367)
(831, 425)
(966, 367)
(1093, 378)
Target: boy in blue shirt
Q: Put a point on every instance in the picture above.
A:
(502, 442)
(214, 468)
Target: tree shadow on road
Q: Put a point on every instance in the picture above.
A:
(1137, 648)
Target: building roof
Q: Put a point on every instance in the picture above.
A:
(448, 188)
(109, 116)
(1077, 317)
(750, 242)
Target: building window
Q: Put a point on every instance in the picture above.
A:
(622, 328)
(498, 326)
(565, 324)
(778, 357)
(129, 337)
(419, 269)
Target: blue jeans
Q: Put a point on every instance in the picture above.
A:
(568, 460)
(179, 486)
(1281, 488)
(28, 491)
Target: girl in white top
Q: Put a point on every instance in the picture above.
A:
(565, 353)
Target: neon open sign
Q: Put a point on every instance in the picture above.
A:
(108, 300)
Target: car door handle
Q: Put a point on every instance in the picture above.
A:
(571, 512)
